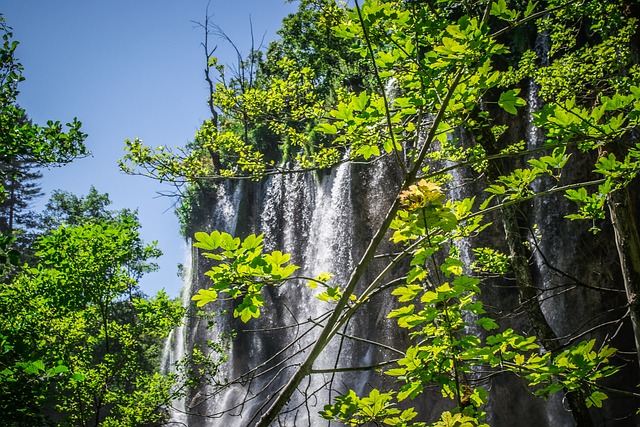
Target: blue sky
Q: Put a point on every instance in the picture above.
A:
(126, 69)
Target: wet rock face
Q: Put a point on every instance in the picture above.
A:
(325, 221)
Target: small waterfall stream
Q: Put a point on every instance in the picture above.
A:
(176, 346)
(180, 342)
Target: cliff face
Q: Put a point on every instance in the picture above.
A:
(325, 220)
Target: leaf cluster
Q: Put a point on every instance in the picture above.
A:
(241, 272)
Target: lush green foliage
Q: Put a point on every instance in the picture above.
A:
(242, 272)
(80, 342)
(77, 338)
(448, 87)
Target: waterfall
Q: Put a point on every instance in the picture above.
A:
(329, 245)
(310, 216)
(325, 220)
(176, 346)
(180, 342)
(325, 225)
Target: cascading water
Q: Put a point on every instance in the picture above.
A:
(176, 346)
(317, 215)
(311, 217)
(180, 341)
(325, 222)
(331, 227)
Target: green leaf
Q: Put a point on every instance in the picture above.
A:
(416, 274)
(596, 399)
(277, 258)
(509, 100)
(77, 377)
(368, 150)
(207, 241)
(321, 278)
(227, 242)
(577, 195)
(60, 369)
(396, 372)
(500, 10)
(360, 102)
(496, 189)
(287, 271)
(467, 283)
(252, 241)
(327, 128)
(407, 293)
(487, 323)
(452, 266)
(401, 311)
(333, 293)
(34, 367)
(205, 296)
(422, 255)
(410, 390)
(247, 313)
(530, 7)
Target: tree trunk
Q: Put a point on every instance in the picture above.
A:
(12, 201)
(527, 289)
(628, 245)
(529, 298)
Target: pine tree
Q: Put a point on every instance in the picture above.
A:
(21, 182)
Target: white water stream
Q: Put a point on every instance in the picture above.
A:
(311, 218)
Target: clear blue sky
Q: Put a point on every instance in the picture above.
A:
(127, 68)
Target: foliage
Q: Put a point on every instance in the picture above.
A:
(9, 257)
(377, 407)
(447, 350)
(66, 209)
(242, 271)
(21, 186)
(447, 97)
(80, 340)
(264, 115)
(307, 38)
